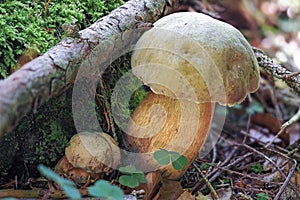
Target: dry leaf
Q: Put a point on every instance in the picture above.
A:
(293, 132)
(268, 121)
(288, 192)
(186, 196)
(223, 193)
(271, 123)
(202, 197)
(170, 190)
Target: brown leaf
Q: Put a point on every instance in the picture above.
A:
(225, 193)
(293, 132)
(170, 190)
(271, 123)
(268, 121)
(63, 166)
(186, 196)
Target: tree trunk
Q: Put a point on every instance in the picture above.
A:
(52, 73)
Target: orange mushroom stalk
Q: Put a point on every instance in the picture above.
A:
(190, 61)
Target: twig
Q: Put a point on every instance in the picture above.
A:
(296, 190)
(294, 119)
(107, 106)
(244, 196)
(215, 171)
(213, 191)
(292, 79)
(287, 178)
(36, 193)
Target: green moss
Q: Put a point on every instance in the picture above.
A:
(8, 148)
(40, 137)
(34, 25)
(117, 110)
(137, 97)
(47, 133)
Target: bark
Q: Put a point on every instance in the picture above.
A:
(292, 79)
(52, 73)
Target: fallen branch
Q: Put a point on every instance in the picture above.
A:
(37, 193)
(292, 79)
(52, 73)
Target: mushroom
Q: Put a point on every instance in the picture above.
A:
(190, 61)
(88, 156)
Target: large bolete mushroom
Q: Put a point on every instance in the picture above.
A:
(190, 61)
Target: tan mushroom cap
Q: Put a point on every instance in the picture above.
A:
(93, 152)
(195, 57)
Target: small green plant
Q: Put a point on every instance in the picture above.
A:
(257, 168)
(104, 189)
(164, 157)
(262, 196)
(132, 177)
(51, 144)
(226, 181)
(101, 189)
(206, 166)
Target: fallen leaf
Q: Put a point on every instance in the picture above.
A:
(170, 190)
(273, 124)
(223, 193)
(293, 132)
(186, 195)
(202, 197)
(268, 121)
(261, 136)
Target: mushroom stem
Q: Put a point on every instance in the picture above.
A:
(161, 122)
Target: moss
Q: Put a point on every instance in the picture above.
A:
(113, 114)
(8, 148)
(40, 137)
(36, 25)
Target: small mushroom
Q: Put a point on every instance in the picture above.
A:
(93, 152)
(190, 61)
(88, 156)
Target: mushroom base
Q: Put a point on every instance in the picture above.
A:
(160, 122)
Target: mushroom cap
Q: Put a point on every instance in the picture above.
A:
(192, 56)
(93, 152)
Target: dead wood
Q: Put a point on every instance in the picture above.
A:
(52, 73)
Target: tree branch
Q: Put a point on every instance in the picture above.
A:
(292, 79)
(52, 73)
